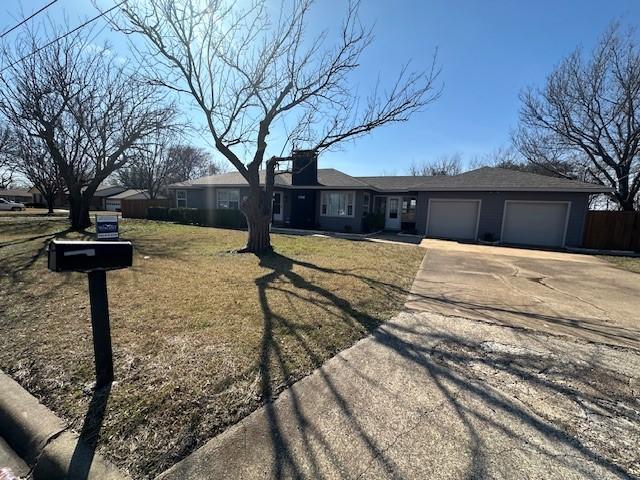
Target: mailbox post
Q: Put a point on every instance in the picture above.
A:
(94, 258)
(100, 327)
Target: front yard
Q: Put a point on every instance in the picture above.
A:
(201, 336)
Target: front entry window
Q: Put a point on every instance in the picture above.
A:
(393, 208)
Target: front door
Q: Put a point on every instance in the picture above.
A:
(392, 217)
(277, 206)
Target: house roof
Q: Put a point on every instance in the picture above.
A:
(481, 179)
(327, 177)
(108, 191)
(15, 192)
(484, 179)
(133, 194)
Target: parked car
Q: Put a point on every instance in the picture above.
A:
(12, 206)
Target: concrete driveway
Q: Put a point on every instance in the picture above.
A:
(507, 364)
(577, 295)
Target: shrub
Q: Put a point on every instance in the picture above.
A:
(158, 213)
(230, 218)
(199, 216)
(348, 228)
(174, 215)
(190, 216)
(373, 222)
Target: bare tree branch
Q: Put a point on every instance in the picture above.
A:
(248, 67)
(88, 109)
(586, 115)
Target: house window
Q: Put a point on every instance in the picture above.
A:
(228, 199)
(337, 204)
(365, 204)
(408, 205)
(181, 198)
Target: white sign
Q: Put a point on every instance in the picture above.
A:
(107, 227)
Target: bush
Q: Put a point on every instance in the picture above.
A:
(158, 213)
(190, 216)
(199, 216)
(175, 215)
(372, 222)
(229, 218)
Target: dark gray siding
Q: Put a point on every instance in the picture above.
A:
(492, 209)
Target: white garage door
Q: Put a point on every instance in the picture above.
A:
(112, 205)
(455, 219)
(535, 223)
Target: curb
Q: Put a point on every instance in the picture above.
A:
(44, 441)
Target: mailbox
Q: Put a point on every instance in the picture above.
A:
(79, 256)
(94, 258)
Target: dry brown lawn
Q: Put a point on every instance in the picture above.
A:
(201, 336)
(627, 263)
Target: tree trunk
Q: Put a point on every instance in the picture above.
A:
(50, 200)
(258, 215)
(627, 205)
(79, 213)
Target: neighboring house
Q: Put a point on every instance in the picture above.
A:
(98, 201)
(103, 196)
(487, 204)
(114, 202)
(20, 195)
(61, 199)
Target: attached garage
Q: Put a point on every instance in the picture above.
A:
(535, 223)
(112, 205)
(453, 219)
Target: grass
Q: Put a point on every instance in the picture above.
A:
(201, 336)
(631, 264)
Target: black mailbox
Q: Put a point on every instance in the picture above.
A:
(79, 256)
(95, 258)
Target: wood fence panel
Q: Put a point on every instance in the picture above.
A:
(612, 230)
(138, 208)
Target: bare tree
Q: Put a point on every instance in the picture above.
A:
(33, 161)
(87, 107)
(193, 162)
(248, 71)
(150, 168)
(6, 155)
(510, 158)
(587, 113)
(161, 164)
(444, 165)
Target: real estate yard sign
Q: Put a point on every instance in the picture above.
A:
(107, 227)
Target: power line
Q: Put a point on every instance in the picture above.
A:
(102, 14)
(28, 18)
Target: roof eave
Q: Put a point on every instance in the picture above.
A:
(594, 190)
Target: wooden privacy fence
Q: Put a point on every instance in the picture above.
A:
(138, 208)
(612, 230)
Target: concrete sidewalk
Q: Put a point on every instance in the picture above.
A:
(430, 397)
(444, 396)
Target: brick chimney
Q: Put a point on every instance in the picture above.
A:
(304, 169)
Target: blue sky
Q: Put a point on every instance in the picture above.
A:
(488, 50)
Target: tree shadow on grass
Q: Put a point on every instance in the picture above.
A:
(447, 368)
(12, 266)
